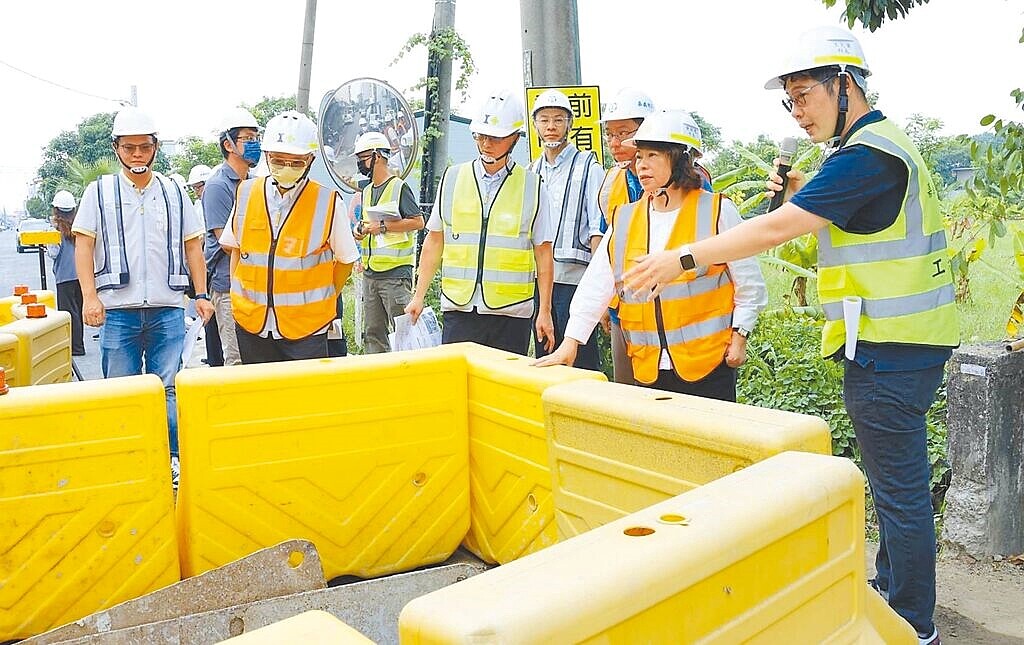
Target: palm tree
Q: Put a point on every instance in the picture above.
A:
(82, 174)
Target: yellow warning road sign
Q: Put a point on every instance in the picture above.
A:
(585, 132)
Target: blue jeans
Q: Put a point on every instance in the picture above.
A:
(156, 334)
(888, 413)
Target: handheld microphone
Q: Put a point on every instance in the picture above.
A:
(786, 153)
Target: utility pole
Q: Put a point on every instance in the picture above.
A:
(437, 108)
(306, 63)
(551, 43)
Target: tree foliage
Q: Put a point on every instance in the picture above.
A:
(195, 151)
(872, 13)
(270, 106)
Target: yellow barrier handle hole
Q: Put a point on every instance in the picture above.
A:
(663, 398)
(673, 518)
(512, 358)
(638, 531)
(419, 479)
(295, 559)
(531, 503)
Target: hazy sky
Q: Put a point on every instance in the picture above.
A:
(191, 60)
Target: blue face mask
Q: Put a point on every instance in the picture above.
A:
(251, 152)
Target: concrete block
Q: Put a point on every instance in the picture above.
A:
(985, 502)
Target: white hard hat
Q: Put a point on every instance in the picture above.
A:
(551, 98)
(130, 121)
(628, 104)
(824, 47)
(407, 140)
(362, 120)
(238, 118)
(673, 126)
(371, 141)
(177, 178)
(199, 174)
(64, 201)
(290, 132)
(500, 115)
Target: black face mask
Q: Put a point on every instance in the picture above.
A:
(366, 167)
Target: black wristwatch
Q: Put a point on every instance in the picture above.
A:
(201, 296)
(383, 228)
(686, 260)
(741, 331)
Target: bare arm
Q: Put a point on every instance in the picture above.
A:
(430, 260)
(93, 312)
(197, 269)
(545, 328)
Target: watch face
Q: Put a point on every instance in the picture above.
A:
(686, 261)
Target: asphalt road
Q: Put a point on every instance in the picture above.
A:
(23, 268)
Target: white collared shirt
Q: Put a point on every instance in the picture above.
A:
(543, 232)
(144, 215)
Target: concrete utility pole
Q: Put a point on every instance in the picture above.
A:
(551, 42)
(306, 63)
(437, 109)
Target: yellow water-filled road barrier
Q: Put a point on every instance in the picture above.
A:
(365, 456)
(771, 554)
(308, 628)
(9, 357)
(30, 238)
(616, 449)
(8, 303)
(44, 348)
(86, 509)
(510, 484)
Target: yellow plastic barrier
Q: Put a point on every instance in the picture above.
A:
(510, 485)
(8, 303)
(616, 449)
(365, 456)
(86, 510)
(9, 357)
(29, 238)
(309, 628)
(771, 554)
(44, 348)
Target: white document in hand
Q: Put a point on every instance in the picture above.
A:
(425, 333)
(191, 337)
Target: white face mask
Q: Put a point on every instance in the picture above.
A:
(286, 176)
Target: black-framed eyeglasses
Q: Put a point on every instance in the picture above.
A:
(800, 99)
(619, 136)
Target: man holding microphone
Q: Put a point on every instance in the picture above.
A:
(881, 243)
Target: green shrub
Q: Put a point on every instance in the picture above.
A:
(785, 371)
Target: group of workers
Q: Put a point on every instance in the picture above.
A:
(551, 251)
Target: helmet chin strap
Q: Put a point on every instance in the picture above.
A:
(487, 159)
(844, 106)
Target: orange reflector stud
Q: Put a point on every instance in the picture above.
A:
(29, 298)
(35, 310)
(3, 381)
(20, 289)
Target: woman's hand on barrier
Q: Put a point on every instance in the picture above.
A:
(564, 355)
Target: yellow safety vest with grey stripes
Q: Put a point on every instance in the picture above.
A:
(392, 250)
(491, 247)
(291, 272)
(902, 273)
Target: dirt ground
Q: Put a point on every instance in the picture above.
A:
(977, 603)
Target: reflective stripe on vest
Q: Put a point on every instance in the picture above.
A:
(614, 192)
(292, 271)
(492, 249)
(572, 241)
(692, 317)
(401, 247)
(902, 273)
(110, 253)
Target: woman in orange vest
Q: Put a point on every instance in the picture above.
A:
(692, 335)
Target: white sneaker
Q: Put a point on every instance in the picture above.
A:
(175, 472)
(929, 640)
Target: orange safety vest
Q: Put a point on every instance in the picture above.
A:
(692, 318)
(291, 272)
(614, 192)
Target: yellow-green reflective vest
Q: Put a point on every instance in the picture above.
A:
(390, 250)
(491, 248)
(902, 273)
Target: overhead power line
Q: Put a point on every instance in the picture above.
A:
(63, 87)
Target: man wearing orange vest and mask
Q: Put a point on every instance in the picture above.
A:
(692, 337)
(291, 250)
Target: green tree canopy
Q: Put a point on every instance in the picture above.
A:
(872, 13)
(195, 151)
(268, 107)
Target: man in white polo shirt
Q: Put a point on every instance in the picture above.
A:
(138, 239)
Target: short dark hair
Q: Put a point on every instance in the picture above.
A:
(684, 175)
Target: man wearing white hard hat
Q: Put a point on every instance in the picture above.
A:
(390, 217)
(573, 181)
(490, 231)
(291, 250)
(884, 283)
(688, 340)
(69, 291)
(137, 241)
(239, 140)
